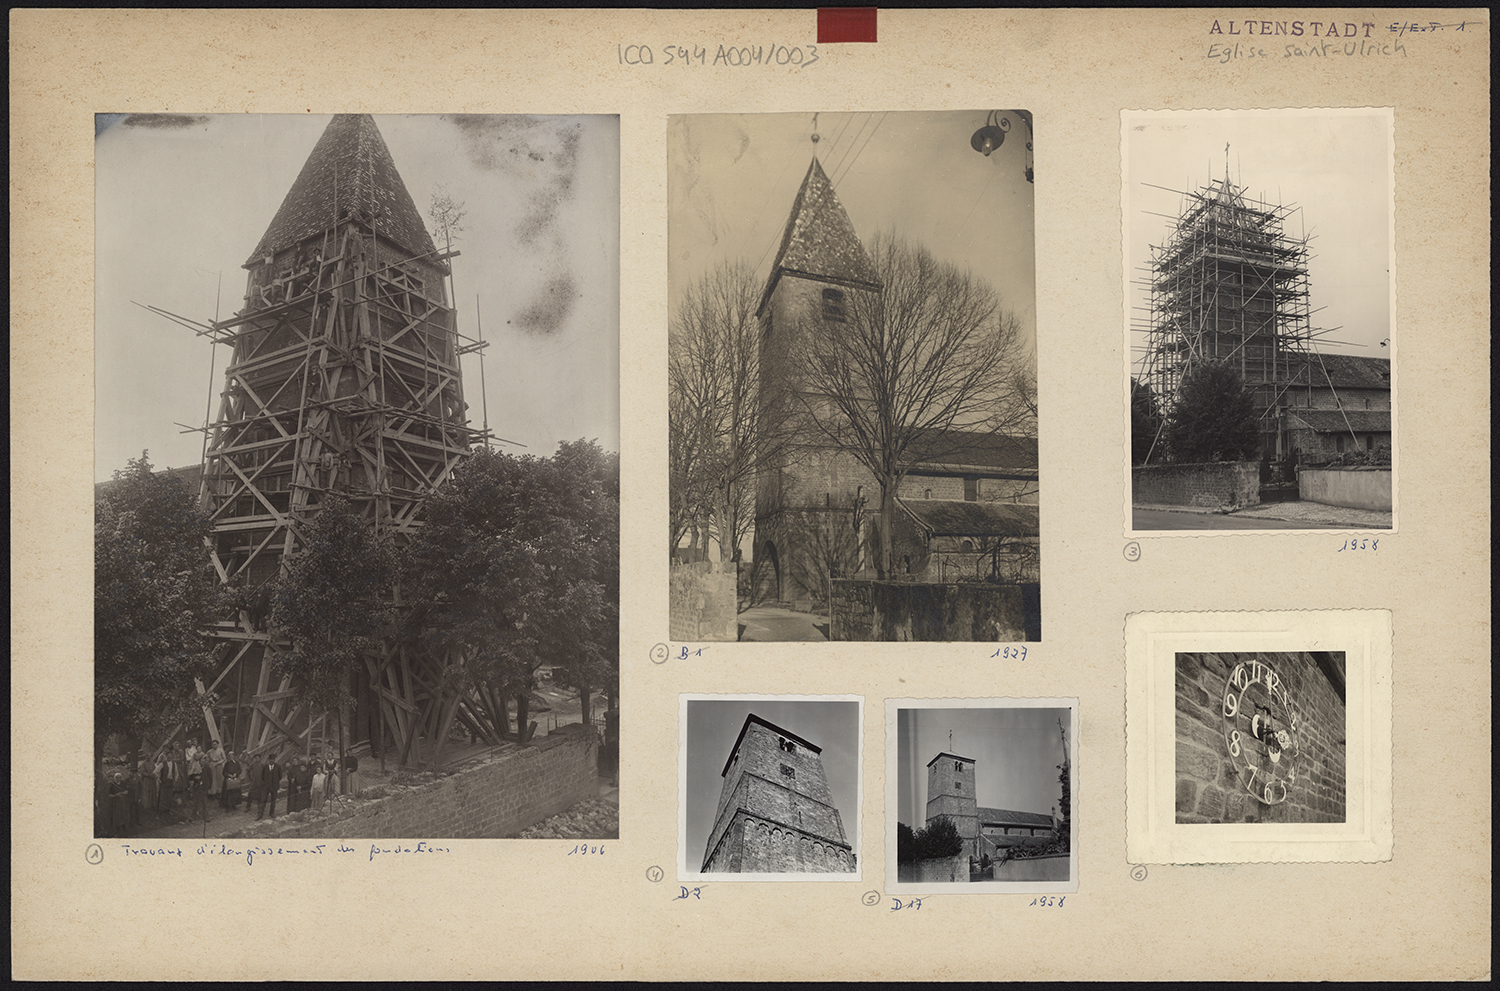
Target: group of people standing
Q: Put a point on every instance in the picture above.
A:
(188, 778)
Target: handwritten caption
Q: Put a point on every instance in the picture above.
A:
(250, 853)
(1361, 544)
(686, 893)
(1019, 653)
(1319, 39)
(1047, 901)
(733, 56)
(897, 904)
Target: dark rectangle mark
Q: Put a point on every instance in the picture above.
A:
(836, 24)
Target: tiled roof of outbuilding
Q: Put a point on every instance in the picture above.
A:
(974, 448)
(1005, 817)
(946, 518)
(1331, 421)
(1348, 371)
(350, 166)
(819, 239)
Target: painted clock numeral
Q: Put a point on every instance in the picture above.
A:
(1260, 730)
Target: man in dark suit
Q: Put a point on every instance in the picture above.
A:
(270, 780)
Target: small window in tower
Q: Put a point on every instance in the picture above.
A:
(971, 490)
(958, 786)
(787, 772)
(926, 493)
(833, 306)
(958, 765)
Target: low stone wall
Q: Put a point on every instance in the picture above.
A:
(936, 870)
(1224, 485)
(498, 797)
(1052, 867)
(1353, 488)
(863, 609)
(704, 603)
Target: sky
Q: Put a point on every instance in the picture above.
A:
(1015, 749)
(712, 726)
(178, 209)
(1334, 165)
(732, 179)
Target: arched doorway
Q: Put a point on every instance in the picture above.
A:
(774, 560)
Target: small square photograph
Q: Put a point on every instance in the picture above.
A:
(852, 407)
(980, 795)
(1260, 736)
(769, 788)
(1260, 266)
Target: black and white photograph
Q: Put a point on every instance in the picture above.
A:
(852, 407)
(1261, 736)
(770, 788)
(1258, 737)
(357, 476)
(980, 795)
(1260, 268)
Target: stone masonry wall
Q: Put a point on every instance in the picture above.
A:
(501, 796)
(1207, 787)
(934, 870)
(861, 609)
(768, 846)
(1356, 488)
(704, 603)
(756, 785)
(1226, 485)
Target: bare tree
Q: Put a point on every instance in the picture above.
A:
(893, 375)
(721, 434)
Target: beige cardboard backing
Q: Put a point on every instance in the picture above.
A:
(526, 909)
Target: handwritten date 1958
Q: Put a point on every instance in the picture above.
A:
(1047, 901)
(1359, 545)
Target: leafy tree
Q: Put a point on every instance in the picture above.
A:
(906, 843)
(332, 606)
(892, 373)
(939, 838)
(154, 591)
(517, 568)
(1213, 418)
(1145, 422)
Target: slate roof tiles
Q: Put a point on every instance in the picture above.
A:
(349, 166)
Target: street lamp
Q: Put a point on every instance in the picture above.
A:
(992, 136)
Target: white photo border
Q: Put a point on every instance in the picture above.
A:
(1152, 641)
(1128, 210)
(688, 874)
(892, 806)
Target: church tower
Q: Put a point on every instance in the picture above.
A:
(805, 511)
(950, 792)
(343, 380)
(775, 813)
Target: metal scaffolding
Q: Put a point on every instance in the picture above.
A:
(1231, 285)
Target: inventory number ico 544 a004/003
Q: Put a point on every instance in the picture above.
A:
(789, 56)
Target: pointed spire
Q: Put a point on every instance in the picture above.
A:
(350, 168)
(819, 240)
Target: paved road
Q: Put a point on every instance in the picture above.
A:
(766, 624)
(1160, 519)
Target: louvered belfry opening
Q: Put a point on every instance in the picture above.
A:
(344, 381)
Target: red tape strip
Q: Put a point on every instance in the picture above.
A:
(837, 24)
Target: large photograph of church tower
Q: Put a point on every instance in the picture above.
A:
(851, 378)
(344, 555)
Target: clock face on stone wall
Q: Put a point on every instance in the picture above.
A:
(1260, 731)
